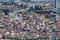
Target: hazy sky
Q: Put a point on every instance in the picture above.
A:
(31, 0)
(42, 0)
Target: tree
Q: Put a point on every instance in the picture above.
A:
(6, 11)
(37, 7)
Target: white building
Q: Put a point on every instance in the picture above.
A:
(57, 4)
(17, 1)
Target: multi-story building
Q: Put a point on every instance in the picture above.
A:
(57, 5)
(26, 0)
(17, 1)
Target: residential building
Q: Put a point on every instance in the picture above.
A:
(57, 5)
(17, 1)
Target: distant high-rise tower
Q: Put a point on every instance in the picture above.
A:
(17, 1)
(11, 0)
(57, 5)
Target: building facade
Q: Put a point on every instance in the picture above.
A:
(57, 5)
(17, 1)
(25, 0)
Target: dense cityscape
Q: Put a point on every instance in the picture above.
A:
(29, 19)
